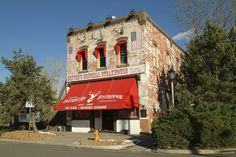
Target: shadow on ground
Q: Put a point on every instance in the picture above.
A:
(143, 140)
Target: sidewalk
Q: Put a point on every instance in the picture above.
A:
(74, 140)
(140, 143)
(132, 143)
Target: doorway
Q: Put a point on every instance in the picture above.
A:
(92, 121)
(108, 120)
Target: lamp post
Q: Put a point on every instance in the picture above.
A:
(171, 76)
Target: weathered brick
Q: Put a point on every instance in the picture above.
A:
(153, 54)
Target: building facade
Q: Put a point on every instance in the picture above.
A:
(115, 72)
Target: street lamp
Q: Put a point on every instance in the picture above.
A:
(171, 76)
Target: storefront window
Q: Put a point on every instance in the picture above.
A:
(127, 113)
(123, 114)
(80, 115)
(134, 113)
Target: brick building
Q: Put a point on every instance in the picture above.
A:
(115, 72)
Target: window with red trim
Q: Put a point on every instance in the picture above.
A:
(100, 53)
(123, 54)
(121, 51)
(82, 57)
(102, 58)
(84, 62)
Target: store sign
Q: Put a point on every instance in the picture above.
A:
(95, 97)
(107, 73)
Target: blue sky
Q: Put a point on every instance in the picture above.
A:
(39, 26)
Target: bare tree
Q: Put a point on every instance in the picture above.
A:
(55, 70)
(193, 14)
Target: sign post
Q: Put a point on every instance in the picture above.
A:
(29, 105)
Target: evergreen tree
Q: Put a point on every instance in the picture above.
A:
(26, 83)
(209, 66)
(205, 112)
(208, 83)
(1, 104)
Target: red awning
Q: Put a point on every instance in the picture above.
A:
(102, 95)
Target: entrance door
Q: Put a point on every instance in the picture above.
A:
(108, 119)
(92, 121)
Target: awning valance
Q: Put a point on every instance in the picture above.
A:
(101, 95)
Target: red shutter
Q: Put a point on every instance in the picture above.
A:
(79, 55)
(104, 49)
(117, 49)
(86, 54)
(96, 51)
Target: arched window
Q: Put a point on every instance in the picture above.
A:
(100, 53)
(121, 51)
(82, 58)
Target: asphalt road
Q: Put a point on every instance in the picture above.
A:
(12, 149)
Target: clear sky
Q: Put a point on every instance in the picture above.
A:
(39, 27)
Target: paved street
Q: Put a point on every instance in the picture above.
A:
(14, 149)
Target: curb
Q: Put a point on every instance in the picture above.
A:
(198, 151)
(113, 147)
(119, 147)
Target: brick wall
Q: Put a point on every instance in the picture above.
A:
(110, 35)
(158, 53)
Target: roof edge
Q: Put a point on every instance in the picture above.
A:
(142, 16)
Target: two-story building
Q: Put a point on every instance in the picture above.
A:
(114, 74)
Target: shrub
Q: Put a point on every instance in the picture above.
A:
(3, 129)
(173, 130)
(214, 126)
(205, 126)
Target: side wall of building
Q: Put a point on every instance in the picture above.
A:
(160, 54)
